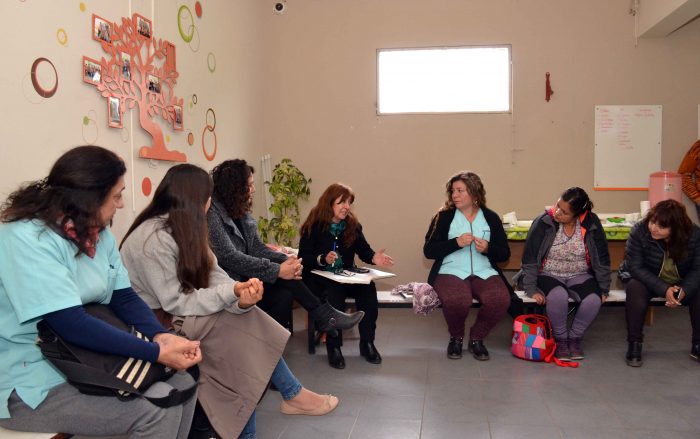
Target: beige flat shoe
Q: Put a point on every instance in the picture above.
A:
(329, 404)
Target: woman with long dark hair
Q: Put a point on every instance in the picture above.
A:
(662, 259)
(172, 267)
(57, 254)
(242, 254)
(467, 241)
(566, 256)
(332, 236)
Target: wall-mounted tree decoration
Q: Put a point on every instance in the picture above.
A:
(131, 75)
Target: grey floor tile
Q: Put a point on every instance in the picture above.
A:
(524, 432)
(326, 427)
(388, 428)
(454, 430)
(377, 407)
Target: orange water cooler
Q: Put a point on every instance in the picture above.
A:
(665, 185)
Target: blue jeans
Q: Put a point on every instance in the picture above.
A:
(288, 386)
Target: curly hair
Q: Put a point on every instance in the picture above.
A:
(77, 186)
(231, 186)
(474, 186)
(672, 214)
(322, 214)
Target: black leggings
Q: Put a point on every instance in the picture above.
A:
(637, 303)
(278, 297)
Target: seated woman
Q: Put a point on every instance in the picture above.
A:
(566, 256)
(662, 259)
(466, 239)
(167, 254)
(242, 254)
(57, 255)
(332, 235)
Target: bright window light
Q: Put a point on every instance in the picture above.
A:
(444, 80)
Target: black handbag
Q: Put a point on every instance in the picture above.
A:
(97, 373)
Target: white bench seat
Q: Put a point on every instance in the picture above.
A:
(11, 434)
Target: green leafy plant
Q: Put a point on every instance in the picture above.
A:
(288, 186)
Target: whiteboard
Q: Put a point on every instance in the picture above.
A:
(627, 146)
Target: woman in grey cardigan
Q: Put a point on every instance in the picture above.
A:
(171, 267)
(241, 252)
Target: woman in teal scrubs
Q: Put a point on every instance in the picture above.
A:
(57, 254)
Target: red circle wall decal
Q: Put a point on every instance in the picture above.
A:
(146, 186)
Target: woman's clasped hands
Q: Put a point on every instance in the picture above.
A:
(177, 352)
(249, 292)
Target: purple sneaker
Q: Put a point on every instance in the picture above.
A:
(576, 349)
(562, 353)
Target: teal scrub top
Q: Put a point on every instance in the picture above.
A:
(39, 274)
(467, 261)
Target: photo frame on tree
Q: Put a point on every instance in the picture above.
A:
(177, 118)
(92, 71)
(102, 30)
(114, 114)
(144, 26)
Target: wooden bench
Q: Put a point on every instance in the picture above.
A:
(388, 300)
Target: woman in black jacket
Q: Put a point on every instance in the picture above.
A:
(662, 259)
(331, 236)
(467, 240)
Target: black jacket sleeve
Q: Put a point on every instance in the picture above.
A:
(437, 246)
(362, 247)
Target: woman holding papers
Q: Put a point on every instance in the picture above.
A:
(331, 236)
(467, 240)
(566, 256)
(242, 254)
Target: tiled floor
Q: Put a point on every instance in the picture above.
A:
(418, 393)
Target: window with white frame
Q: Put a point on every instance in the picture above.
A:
(470, 79)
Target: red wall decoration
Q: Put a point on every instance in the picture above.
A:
(129, 76)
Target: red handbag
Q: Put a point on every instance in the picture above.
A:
(532, 340)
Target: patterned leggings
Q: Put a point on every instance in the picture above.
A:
(456, 296)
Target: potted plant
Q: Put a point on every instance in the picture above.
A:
(288, 186)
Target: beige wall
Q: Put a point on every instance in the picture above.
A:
(35, 134)
(319, 104)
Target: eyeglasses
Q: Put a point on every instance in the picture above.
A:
(341, 272)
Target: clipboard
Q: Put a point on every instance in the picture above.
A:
(349, 277)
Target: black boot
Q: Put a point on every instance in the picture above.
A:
(329, 319)
(335, 358)
(634, 354)
(454, 348)
(370, 352)
(695, 352)
(477, 348)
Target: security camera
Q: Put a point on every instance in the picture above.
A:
(280, 7)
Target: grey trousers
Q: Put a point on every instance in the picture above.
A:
(65, 410)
